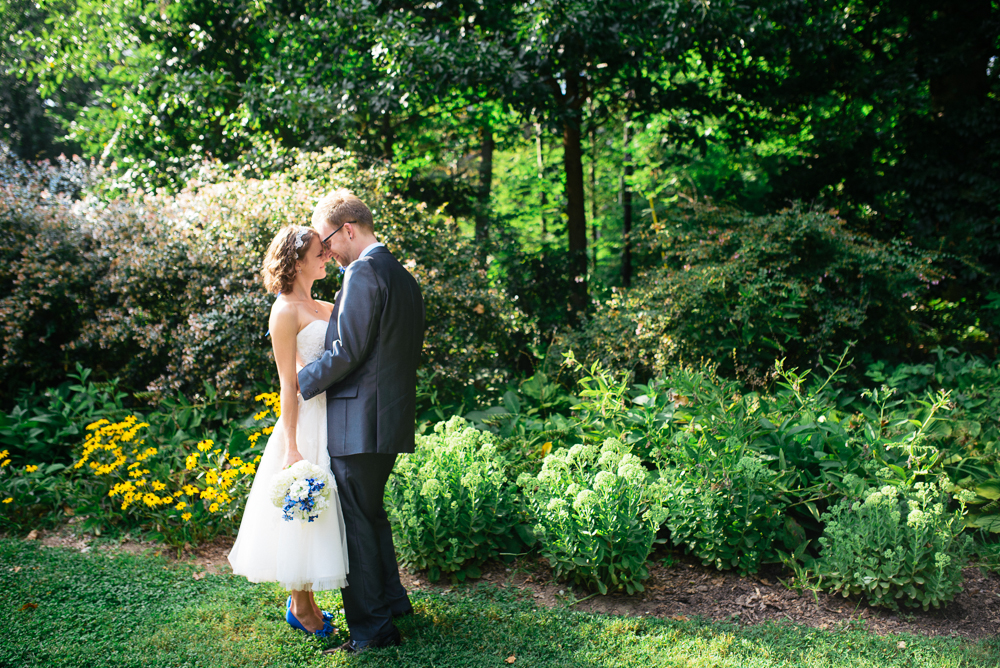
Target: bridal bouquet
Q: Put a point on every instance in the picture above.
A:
(302, 491)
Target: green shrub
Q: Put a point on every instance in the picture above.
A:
(729, 518)
(894, 545)
(451, 502)
(596, 515)
(47, 426)
(795, 284)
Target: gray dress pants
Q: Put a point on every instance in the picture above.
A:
(373, 593)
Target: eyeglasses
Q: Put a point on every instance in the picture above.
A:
(330, 236)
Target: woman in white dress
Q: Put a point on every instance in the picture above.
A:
(302, 557)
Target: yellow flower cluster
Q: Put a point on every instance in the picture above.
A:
(211, 479)
(272, 400)
(159, 492)
(109, 437)
(272, 403)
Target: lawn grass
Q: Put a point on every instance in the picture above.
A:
(117, 610)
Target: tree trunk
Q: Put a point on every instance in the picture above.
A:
(576, 217)
(541, 175)
(594, 233)
(576, 212)
(388, 138)
(485, 182)
(627, 214)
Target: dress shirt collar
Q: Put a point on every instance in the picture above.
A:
(368, 249)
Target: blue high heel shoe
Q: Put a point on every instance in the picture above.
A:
(327, 616)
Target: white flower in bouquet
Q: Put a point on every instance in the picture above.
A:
(302, 491)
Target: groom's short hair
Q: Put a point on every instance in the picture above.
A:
(342, 206)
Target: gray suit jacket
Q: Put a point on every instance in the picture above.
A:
(369, 369)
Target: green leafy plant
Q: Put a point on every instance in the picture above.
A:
(596, 515)
(895, 545)
(451, 502)
(46, 426)
(725, 506)
(533, 418)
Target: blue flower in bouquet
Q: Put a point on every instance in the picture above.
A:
(302, 491)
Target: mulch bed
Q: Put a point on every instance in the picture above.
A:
(684, 590)
(687, 589)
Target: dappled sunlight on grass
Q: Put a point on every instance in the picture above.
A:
(105, 609)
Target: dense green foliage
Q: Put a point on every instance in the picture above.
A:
(879, 108)
(163, 291)
(727, 515)
(451, 502)
(738, 289)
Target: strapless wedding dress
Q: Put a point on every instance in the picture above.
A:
(297, 555)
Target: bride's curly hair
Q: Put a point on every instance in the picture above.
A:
(278, 271)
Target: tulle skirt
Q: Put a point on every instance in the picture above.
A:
(297, 555)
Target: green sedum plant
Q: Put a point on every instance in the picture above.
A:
(729, 518)
(451, 502)
(596, 515)
(895, 545)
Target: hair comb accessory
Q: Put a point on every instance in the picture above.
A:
(299, 242)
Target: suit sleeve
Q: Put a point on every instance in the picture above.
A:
(357, 330)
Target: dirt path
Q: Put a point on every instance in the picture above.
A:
(684, 589)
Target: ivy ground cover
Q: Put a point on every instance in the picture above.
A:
(64, 608)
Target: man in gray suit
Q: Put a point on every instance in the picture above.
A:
(369, 374)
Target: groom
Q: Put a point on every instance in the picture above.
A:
(369, 374)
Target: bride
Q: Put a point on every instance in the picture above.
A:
(302, 557)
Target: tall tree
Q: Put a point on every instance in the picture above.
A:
(619, 54)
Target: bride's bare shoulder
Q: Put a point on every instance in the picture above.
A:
(284, 312)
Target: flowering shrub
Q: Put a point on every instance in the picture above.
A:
(209, 489)
(451, 502)
(163, 290)
(596, 515)
(894, 545)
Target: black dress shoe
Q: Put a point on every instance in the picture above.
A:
(390, 639)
